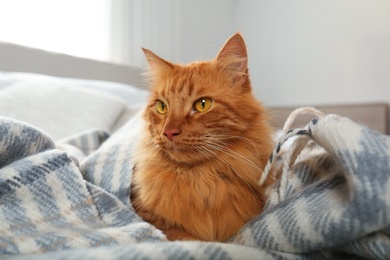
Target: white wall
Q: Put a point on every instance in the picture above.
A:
(301, 52)
(306, 52)
(177, 30)
(206, 25)
(150, 24)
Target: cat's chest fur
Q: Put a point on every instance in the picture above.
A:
(209, 201)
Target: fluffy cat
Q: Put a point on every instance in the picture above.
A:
(205, 143)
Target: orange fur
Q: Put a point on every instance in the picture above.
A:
(201, 182)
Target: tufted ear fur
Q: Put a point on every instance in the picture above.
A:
(233, 57)
(157, 64)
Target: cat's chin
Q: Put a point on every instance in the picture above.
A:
(182, 155)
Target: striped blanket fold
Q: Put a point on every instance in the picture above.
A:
(333, 199)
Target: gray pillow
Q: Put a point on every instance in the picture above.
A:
(60, 109)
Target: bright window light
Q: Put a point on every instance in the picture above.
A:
(75, 27)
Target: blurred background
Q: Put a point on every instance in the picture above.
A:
(301, 52)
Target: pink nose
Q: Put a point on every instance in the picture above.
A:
(171, 133)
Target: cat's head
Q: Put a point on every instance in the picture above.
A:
(197, 110)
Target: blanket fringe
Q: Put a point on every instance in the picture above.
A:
(296, 148)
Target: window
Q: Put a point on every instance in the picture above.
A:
(73, 27)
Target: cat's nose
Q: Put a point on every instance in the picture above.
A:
(171, 133)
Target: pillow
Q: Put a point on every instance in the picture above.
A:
(59, 108)
(128, 93)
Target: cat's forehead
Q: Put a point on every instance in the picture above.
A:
(191, 80)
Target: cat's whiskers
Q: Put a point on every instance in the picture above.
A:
(150, 144)
(151, 149)
(232, 168)
(208, 154)
(152, 157)
(211, 154)
(221, 146)
(228, 137)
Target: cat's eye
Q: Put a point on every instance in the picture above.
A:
(202, 104)
(161, 107)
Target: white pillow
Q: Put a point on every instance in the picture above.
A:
(60, 109)
(128, 93)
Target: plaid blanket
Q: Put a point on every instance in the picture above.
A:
(333, 201)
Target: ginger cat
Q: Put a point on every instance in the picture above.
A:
(205, 144)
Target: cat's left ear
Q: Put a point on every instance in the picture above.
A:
(157, 64)
(234, 58)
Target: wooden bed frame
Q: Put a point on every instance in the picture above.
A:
(24, 59)
(375, 115)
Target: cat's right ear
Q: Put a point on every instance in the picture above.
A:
(157, 64)
(233, 57)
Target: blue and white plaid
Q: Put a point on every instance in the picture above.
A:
(54, 204)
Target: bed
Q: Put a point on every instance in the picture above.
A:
(67, 127)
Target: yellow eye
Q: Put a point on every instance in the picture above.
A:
(202, 104)
(161, 107)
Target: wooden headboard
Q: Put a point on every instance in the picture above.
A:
(375, 116)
